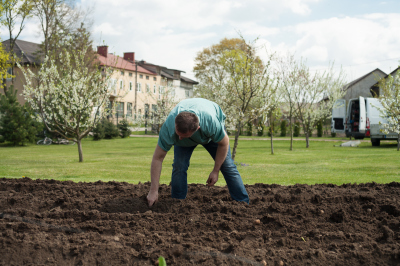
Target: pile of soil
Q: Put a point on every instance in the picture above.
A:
(48, 222)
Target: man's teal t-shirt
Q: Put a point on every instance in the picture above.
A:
(211, 119)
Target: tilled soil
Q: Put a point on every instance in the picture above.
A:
(47, 222)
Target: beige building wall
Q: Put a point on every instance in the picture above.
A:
(147, 92)
(19, 82)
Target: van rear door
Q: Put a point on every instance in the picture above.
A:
(338, 116)
(363, 118)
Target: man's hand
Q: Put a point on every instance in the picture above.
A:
(213, 178)
(152, 198)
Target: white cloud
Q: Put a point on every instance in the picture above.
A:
(299, 7)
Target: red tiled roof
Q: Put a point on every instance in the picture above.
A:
(119, 62)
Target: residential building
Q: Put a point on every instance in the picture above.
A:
(28, 56)
(151, 82)
(363, 86)
(137, 85)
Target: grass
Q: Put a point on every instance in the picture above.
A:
(129, 160)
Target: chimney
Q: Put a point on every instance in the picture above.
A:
(102, 50)
(129, 56)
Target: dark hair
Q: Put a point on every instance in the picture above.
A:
(186, 122)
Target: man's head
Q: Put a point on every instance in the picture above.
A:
(186, 123)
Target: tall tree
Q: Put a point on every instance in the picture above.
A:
(15, 12)
(208, 70)
(232, 75)
(389, 97)
(71, 96)
(57, 19)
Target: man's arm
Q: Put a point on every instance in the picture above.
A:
(222, 151)
(156, 166)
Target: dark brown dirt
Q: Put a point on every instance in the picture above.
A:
(47, 222)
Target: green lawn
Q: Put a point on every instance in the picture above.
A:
(129, 160)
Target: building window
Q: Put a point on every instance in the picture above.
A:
(122, 73)
(113, 85)
(170, 84)
(154, 78)
(139, 87)
(121, 85)
(130, 74)
(147, 88)
(120, 109)
(187, 95)
(147, 77)
(154, 89)
(141, 76)
(130, 85)
(129, 109)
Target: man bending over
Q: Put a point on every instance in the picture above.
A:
(195, 121)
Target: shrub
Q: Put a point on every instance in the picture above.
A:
(123, 127)
(296, 130)
(283, 128)
(99, 131)
(110, 130)
(260, 128)
(2, 139)
(333, 134)
(249, 128)
(16, 122)
(319, 129)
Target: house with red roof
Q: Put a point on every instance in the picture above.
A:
(137, 85)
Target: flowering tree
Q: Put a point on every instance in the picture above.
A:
(390, 100)
(71, 96)
(315, 95)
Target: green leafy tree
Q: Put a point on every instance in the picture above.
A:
(4, 66)
(16, 123)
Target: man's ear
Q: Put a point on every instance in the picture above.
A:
(198, 128)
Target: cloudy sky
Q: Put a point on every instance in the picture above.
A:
(358, 35)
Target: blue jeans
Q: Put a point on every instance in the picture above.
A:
(229, 170)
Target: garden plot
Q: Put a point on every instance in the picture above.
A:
(47, 222)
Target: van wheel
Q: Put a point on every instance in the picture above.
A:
(375, 142)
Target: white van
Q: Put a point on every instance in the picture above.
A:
(360, 119)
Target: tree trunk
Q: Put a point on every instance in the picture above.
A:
(291, 135)
(272, 144)
(307, 139)
(236, 141)
(398, 142)
(80, 150)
